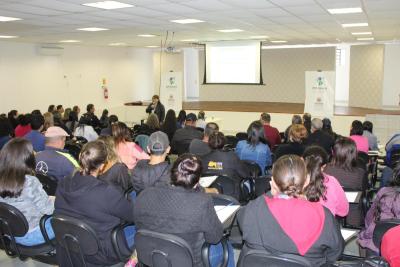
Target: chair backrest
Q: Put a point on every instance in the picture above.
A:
(75, 236)
(48, 182)
(12, 221)
(262, 185)
(241, 136)
(231, 141)
(224, 200)
(363, 158)
(393, 156)
(74, 148)
(142, 140)
(226, 185)
(162, 250)
(261, 258)
(253, 167)
(381, 228)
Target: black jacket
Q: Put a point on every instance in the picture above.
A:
(321, 139)
(262, 231)
(97, 203)
(289, 148)
(118, 175)
(92, 119)
(159, 111)
(182, 138)
(186, 213)
(145, 175)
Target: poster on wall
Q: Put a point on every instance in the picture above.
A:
(171, 91)
(320, 93)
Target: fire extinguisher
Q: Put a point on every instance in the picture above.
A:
(105, 89)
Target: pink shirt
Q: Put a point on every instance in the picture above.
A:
(361, 142)
(130, 153)
(336, 200)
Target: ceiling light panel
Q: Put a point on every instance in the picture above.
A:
(230, 30)
(5, 19)
(349, 10)
(146, 35)
(350, 25)
(108, 5)
(186, 21)
(8, 36)
(361, 33)
(92, 29)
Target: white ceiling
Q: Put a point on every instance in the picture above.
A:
(297, 21)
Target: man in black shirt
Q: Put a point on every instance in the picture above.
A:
(91, 117)
(201, 147)
(319, 138)
(183, 137)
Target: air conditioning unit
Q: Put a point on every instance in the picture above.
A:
(172, 50)
(50, 50)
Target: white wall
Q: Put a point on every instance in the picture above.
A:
(191, 72)
(31, 81)
(391, 77)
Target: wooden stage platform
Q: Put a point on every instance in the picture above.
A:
(276, 107)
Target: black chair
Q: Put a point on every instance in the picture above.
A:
(48, 182)
(381, 228)
(241, 136)
(164, 250)
(76, 240)
(226, 185)
(74, 148)
(261, 258)
(231, 141)
(363, 157)
(14, 224)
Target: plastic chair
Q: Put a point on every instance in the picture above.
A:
(48, 182)
(14, 224)
(262, 258)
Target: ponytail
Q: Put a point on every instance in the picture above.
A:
(316, 188)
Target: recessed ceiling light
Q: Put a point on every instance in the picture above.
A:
(152, 46)
(259, 37)
(117, 44)
(186, 21)
(230, 30)
(189, 40)
(361, 33)
(345, 10)
(69, 41)
(92, 29)
(108, 5)
(4, 19)
(278, 41)
(8, 36)
(146, 35)
(349, 25)
(366, 39)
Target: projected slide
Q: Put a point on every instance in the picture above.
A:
(233, 62)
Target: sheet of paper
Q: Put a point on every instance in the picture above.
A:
(352, 197)
(348, 233)
(225, 212)
(206, 181)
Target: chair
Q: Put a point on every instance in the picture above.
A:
(241, 136)
(48, 182)
(74, 148)
(363, 157)
(14, 224)
(226, 185)
(231, 141)
(78, 240)
(261, 258)
(165, 250)
(393, 156)
(381, 228)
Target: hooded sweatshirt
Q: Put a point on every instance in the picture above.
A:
(145, 175)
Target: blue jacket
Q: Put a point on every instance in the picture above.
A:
(55, 162)
(261, 154)
(4, 140)
(37, 139)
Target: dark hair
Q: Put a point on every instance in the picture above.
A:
(368, 126)
(211, 128)
(152, 121)
(93, 154)
(12, 113)
(296, 119)
(36, 112)
(155, 97)
(5, 127)
(73, 118)
(255, 133)
(201, 115)
(120, 132)
(181, 116)
(169, 124)
(51, 108)
(289, 174)
(216, 140)
(186, 171)
(112, 119)
(75, 109)
(315, 157)
(345, 154)
(37, 121)
(59, 107)
(16, 161)
(266, 117)
(24, 119)
(89, 107)
(104, 113)
(306, 117)
(356, 128)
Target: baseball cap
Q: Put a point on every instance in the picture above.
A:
(55, 131)
(191, 117)
(158, 142)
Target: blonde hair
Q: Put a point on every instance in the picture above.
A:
(48, 120)
(109, 142)
(297, 133)
(152, 121)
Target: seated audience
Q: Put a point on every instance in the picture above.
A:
(344, 166)
(19, 188)
(201, 147)
(54, 160)
(128, 151)
(12, 117)
(322, 187)
(271, 133)
(48, 121)
(108, 131)
(101, 205)
(299, 227)
(72, 122)
(51, 109)
(35, 136)
(59, 111)
(156, 108)
(104, 119)
(77, 110)
(152, 125)
(6, 131)
(114, 172)
(153, 171)
(327, 128)
(297, 134)
(24, 126)
(390, 250)
(182, 137)
(84, 129)
(91, 118)
(318, 137)
(201, 120)
(183, 210)
(169, 125)
(307, 122)
(65, 117)
(255, 147)
(372, 139)
(296, 119)
(356, 134)
(180, 120)
(386, 205)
